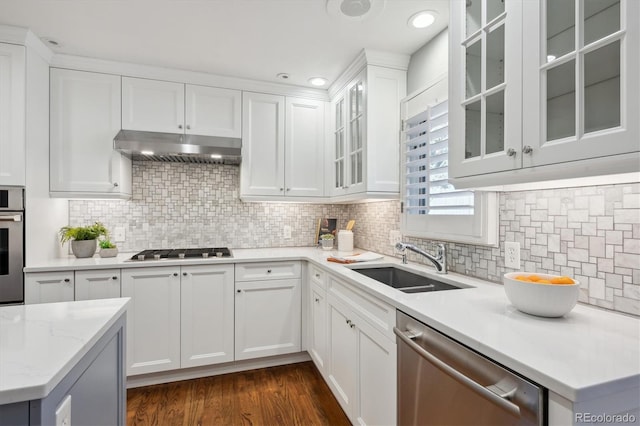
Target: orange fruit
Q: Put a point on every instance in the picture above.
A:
(522, 278)
(562, 280)
(534, 278)
(543, 282)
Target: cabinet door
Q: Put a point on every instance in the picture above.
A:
(211, 111)
(48, 287)
(377, 372)
(582, 92)
(153, 319)
(85, 117)
(262, 169)
(485, 78)
(267, 318)
(152, 105)
(98, 284)
(304, 147)
(206, 299)
(318, 326)
(12, 115)
(337, 178)
(356, 135)
(342, 354)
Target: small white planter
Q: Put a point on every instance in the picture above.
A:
(108, 252)
(326, 244)
(84, 248)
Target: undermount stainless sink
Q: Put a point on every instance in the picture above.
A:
(403, 280)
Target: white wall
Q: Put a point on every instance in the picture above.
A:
(44, 216)
(429, 63)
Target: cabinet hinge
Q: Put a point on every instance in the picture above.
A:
(401, 206)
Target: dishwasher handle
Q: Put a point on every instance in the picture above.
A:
(483, 391)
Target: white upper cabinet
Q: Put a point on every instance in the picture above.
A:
(152, 105)
(543, 90)
(211, 111)
(282, 147)
(262, 171)
(84, 119)
(365, 135)
(582, 92)
(12, 114)
(304, 147)
(485, 77)
(168, 107)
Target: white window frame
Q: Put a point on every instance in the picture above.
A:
(481, 228)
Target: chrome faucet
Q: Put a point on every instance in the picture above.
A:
(439, 260)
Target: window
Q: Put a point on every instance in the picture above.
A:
(432, 207)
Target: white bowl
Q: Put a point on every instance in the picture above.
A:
(543, 300)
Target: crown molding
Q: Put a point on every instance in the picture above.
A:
(25, 37)
(365, 58)
(183, 76)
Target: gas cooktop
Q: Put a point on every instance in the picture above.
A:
(190, 253)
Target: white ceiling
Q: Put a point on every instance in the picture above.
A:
(254, 39)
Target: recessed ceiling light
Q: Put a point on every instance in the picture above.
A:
(146, 152)
(318, 81)
(282, 76)
(422, 19)
(216, 156)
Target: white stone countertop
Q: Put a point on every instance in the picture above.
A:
(589, 353)
(40, 344)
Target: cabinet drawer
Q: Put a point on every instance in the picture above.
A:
(267, 271)
(317, 276)
(378, 313)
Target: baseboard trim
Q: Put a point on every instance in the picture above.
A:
(214, 370)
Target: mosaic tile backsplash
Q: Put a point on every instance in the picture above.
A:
(591, 233)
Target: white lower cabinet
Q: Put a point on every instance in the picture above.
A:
(153, 318)
(97, 284)
(48, 287)
(206, 318)
(361, 365)
(267, 309)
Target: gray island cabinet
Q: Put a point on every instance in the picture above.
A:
(62, 363)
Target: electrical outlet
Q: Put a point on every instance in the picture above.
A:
(63, 412)
(512, 255)
(119, 234)
(287, 232)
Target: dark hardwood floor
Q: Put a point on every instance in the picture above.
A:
(292, 394)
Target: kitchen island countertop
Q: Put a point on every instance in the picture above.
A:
(588, 354)
(40, 344)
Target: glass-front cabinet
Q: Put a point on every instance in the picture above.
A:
(486, 86)
(581, 80)
(539, 83)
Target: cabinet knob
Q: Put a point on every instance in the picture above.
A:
(184, 274)
(527, 149)
(281, 189)
(115, 184)
(317, 275)
(349, 321)
(179, 126)
(268, 271)
(288, 189)
(188, 127)
(66, 280)
(352, 325)
(175, 274)
(317, 300)
(238, 291)
(511, 152)
(114, 278)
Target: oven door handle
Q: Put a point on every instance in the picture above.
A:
(12, 218)
(483, 391)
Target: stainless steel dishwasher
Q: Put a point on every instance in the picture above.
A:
(441, 382)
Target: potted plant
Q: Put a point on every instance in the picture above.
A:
(83, 238)
(107, 248)
(326, 241)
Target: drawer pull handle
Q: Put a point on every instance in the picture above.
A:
(352, 325)
(114, 278)
(175, 274)
(184, 274)
(238, 291)
(349, 321)
(317, 300)
(268, 271)
(66, 280)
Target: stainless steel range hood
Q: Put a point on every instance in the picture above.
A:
(154, 146)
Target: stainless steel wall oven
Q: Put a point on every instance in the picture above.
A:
(11, 245)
